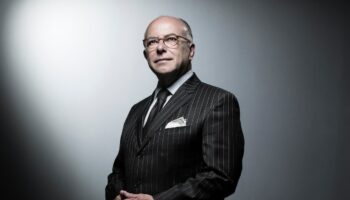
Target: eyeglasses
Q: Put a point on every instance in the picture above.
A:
(170, 41)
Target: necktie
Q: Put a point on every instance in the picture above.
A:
(161, 98)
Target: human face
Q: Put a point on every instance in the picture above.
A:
(165, 61)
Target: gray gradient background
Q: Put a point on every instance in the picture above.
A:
(71, 70)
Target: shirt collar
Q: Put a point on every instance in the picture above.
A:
(177, 84)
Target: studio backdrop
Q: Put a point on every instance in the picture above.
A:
(71, 70)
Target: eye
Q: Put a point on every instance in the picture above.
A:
(151, 42)
(171, 39)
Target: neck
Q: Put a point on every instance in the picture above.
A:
(165, 80)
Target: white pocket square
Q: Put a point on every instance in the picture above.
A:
(179, 122)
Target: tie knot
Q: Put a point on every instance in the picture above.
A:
(162, 94)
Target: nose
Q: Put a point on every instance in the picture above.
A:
(161, 48)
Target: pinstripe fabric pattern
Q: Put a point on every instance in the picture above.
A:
(202, 160)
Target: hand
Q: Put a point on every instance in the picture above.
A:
(117, 198)
(130, 196)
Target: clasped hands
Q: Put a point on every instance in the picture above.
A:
(124, 195)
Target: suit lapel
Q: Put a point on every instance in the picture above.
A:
(181, 97)
(141, 118)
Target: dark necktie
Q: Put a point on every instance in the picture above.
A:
(161, 98)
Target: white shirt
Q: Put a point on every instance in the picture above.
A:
(172, 89)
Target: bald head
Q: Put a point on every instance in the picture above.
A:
(184, 26)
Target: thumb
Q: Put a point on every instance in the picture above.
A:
(127, 194)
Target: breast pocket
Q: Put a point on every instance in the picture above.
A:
(182, 130)
(179, 139)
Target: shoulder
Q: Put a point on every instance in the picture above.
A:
(212, 88)
(141, 104)
(215, 100)
(137, 109)
(214, 93)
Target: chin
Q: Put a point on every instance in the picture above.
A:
(164, 70)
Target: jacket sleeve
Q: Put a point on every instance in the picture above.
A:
(116, 178)
(222, 148)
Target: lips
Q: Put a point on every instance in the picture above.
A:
(162, 59)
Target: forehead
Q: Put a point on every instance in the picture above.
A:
(165, 26)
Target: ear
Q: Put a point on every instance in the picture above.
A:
(192, 51)
(145, 54)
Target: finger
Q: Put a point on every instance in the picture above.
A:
(118, 198)
(127, 194)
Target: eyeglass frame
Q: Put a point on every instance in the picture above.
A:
(159, 38)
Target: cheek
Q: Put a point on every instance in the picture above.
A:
(150, 56)
(184, 54)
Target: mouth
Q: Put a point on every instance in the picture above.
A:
(162, 60)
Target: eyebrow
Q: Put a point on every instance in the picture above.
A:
(170, 34)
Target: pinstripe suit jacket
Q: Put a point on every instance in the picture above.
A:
(202, 160)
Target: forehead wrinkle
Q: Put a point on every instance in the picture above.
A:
(183, 30)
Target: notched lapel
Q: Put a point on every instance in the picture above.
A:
(140, 112)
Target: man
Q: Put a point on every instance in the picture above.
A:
(185, 140)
